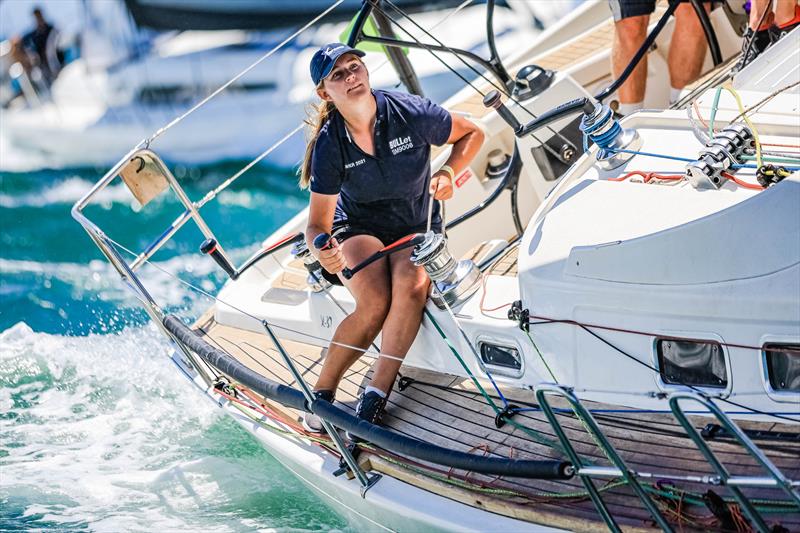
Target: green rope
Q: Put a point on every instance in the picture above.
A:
(762, 505)
(535, 435)
(773, 159)
(714, 107)
(528, 333)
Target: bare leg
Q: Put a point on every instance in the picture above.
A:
(629, 34)
(372, 292)
(688, 47)
(784, 11)
(409, 293)
(757, 9)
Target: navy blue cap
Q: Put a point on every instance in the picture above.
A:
(325, 58)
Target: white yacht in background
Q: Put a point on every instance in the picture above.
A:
(110, 109)
(613, 335)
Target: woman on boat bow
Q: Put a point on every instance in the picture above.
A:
(368, 168)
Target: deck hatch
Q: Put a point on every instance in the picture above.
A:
(697, 363)
(783, 367)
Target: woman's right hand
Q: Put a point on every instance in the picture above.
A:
(332, 258)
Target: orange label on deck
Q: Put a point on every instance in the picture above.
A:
(462, 178)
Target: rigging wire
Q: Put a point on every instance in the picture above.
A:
(470, 67)
(436, 325)
(233, 80)
(212, 194)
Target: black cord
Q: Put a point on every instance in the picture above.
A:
(648, 42)
(693, 388)
(470, 67)
(708, 30)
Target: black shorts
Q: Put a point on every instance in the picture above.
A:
(622, 9)
(343, 230)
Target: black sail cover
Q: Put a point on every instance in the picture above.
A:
(250, 14)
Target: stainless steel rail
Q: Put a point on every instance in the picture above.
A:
(733, 482)
(586, 472)
(366, 481)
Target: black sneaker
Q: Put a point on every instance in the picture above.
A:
(760, 42)
(311, 422)
(370, 408)
(776, 33)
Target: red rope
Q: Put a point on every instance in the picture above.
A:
(648, 176)
(742, 183)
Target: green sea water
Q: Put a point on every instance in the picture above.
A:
(97, 430)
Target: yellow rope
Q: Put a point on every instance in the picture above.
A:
(728, 87)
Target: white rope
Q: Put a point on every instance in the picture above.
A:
(242, 73)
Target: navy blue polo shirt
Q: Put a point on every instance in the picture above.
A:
(388, 191)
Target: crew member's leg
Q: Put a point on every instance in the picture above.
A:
(371, 289)
(629, 34)
(787, 18)
(687, 49)
(409, 293)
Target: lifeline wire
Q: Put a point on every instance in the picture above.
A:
(212, 194)
(227, 84)
(249, 315)
(388, 356)
(470, 67)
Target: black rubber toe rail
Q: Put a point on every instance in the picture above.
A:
(384, 438)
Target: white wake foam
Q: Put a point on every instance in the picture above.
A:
(68, 191)
(103, 432)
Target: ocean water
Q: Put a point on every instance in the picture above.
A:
(97, 429)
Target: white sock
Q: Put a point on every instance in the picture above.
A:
(674, 95)
(376, 390)
(627, 109)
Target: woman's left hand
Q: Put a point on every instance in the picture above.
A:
(441, 186)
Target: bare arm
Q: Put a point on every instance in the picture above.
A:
(321, 209)
(466, 138)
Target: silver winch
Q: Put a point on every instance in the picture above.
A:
(726, 148)
(455, 281)
(316, 280)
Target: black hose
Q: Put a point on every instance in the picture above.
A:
(233, 368)
(708, 29)
(396, 443)
(386, 439)
(648, 42)
(506, 182)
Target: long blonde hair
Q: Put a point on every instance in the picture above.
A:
(318, 114)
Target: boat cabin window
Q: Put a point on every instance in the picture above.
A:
(691, 363)
(502, 360)
(783, 367)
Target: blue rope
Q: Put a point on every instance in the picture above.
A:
(604, 140)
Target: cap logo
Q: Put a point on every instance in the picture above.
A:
(329, 50)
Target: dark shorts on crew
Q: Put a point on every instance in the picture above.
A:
(343, 230)
(622, 9)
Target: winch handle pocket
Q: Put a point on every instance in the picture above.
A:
(401, 244)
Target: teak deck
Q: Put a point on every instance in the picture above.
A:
(448, 411)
